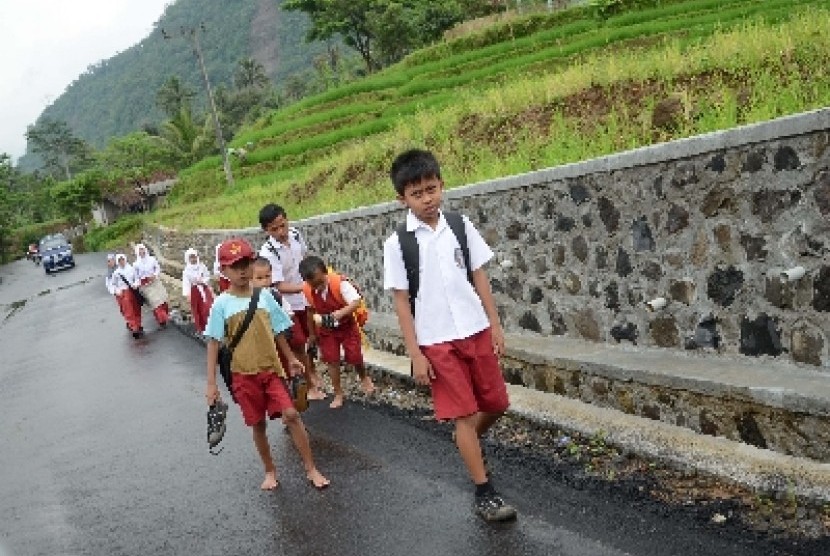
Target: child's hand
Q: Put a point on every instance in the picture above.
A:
(211, 393)
(497, 336)
(422, 370)
(295, 367)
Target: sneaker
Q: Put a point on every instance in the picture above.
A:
(216, 423)
(491, 508)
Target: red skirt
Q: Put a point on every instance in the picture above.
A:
(200, 308)
(130, 309)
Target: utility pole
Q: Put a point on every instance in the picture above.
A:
(193, 33)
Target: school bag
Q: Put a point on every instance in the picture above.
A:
(409, 250)
(361, 314)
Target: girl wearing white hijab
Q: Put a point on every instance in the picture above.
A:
(147, 274)
(120, 284)
(224, 283)
(196, 288)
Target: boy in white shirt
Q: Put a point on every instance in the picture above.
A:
(454, 337)
(285, 248)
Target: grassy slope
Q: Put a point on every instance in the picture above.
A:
(573, 89)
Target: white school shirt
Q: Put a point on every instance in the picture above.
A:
(146, 267)
(447, 307)
(348, 293)
(286, 267)
(122, 279)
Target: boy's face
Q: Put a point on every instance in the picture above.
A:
(110, 263)
(278, 228)
(122, 262)
(318, 281)
(193, 259)
(239, 273)
(142, 252)
(261, 276)
(423, 198)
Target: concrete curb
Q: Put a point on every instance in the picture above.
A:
(758, 469)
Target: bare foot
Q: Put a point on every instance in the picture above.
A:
(270, 482)
(317, 479)
(316, 394)
(367, 385)
(336, 403)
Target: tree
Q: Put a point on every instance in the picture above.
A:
(384, 31)
(188, 140)
(173, 96)
(351, 19)
(250, 74)
(61, 151)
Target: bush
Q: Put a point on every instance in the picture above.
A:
(119, 234)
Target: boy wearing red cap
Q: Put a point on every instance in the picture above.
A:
(259, 380)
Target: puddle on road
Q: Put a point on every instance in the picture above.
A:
(14, 307)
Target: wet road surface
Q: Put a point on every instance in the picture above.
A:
(103, 453)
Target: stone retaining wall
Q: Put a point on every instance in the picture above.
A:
(707, 223)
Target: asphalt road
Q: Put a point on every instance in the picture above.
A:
(103, 453)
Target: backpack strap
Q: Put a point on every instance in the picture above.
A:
(409, 251)
(456, 223)
(307, 293)
(334, 287)
(246, 322)
(272, 249)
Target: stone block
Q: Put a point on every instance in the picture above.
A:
(821, 193)
(652, 270)
(627, 331)
(558, 255)
(724, 284)
(572, 283)
(780, 293)
(754, 161)
(664, 331)
(723, 236)
(719, 200)
(641, 235)
(807, 345)
(821, 290)
(768, 205)
(586, 325)
(749, 431)
(678, 219)
(609, 214)
(612, 296)
(682, 291)
(760, 336)
(700, 248)
(579, 193)
(786, 159)
(528, 321)
(755, 247)
(623, 266)
(579, 246)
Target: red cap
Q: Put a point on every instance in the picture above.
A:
(233, 250)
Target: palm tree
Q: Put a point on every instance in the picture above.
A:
(190, 141)
(250, 74)
(173, 96)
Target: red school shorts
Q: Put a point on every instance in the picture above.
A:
(468, 378)
(260, 394)
(299, 329)
(347, 336)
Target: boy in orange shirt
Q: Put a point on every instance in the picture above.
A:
(337, 326)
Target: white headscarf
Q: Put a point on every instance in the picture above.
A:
(216, 265)
(147, 265)
(194, 274)
(127, 272)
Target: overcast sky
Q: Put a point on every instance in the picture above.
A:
(46, 44)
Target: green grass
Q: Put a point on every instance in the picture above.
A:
(732, 62)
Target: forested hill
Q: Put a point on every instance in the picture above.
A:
(117, 96)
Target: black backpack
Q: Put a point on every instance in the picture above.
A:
(409, 250)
